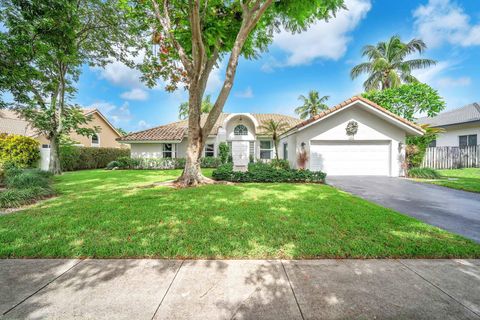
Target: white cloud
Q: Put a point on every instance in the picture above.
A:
(215, 80)
(118, 115)
(448, 82)
(428, 75)
(143, 125)
(247, 93)
(122, 75)
(135, 94)
(327, 40)
(442, 21)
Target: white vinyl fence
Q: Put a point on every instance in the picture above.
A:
(44, 158)
(452, 157)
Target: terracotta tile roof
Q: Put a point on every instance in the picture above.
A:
(178, 130)
(350, 101)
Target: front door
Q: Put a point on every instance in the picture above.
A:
(240, 153)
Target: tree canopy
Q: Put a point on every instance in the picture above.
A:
(312, 105)
(387, 66)
(409, 100)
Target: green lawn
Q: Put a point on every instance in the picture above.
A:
(117, 214)
(463, 179)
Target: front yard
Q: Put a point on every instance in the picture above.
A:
(467, 179)
(120, 214)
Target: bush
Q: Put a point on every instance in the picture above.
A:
(223, 152)
(19, 150)
(264, 172)
(209, 162)
(14, 198)
(159, 163)
(78, 158)
(423, 173)
(27, 178)
(280, 164)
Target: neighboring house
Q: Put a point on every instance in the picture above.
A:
(107, 136)
(377, 148)
(462, 126)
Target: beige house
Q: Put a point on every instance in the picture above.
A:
(11, 123)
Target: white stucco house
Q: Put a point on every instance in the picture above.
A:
(375, 148)
(462, 126)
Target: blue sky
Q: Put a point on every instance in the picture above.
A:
(320, 59)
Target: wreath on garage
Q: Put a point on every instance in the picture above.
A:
(352, 128)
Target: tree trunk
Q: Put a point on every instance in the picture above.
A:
(54, 165)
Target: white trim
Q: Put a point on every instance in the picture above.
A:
(95, 145)
(233, 115)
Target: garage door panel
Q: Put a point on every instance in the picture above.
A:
(351, 157)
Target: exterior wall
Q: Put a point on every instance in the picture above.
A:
(450, 137)
(146, 150)
(236, 121)
(370, 127)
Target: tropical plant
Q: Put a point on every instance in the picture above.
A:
(387, 66)
(43, 45)
(18, 150)
(207, 106)
(312, 105)
(223, 151)
(408, 100)
(417, 146)
(274, 129)
(190, 38)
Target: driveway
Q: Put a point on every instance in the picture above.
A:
(239, 289)
(453, 210)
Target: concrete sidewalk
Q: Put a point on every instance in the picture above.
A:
(239, 289)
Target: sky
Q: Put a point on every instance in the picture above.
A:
(318, 59)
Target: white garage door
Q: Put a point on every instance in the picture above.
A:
(351, 157)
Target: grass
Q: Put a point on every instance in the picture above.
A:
(116, 214)
(467, 179)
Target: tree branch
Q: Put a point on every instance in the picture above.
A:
(198, 48)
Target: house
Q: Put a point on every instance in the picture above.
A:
(462, 126)
(372, 145)
(11, 123)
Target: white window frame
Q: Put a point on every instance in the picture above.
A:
(172, 150)
(270, 150)
(205, 150)
(242, 133)
(468, 139)
(95, 144)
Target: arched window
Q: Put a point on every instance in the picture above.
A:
(240, 130)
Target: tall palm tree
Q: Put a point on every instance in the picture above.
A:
(387, 67)
(275, 129)
(312, 105)
(207, 105)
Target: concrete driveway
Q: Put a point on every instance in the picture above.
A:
(453, 210)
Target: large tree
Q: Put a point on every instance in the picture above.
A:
(387, 65)
(312, 105)
(193, 36)
(43, 47)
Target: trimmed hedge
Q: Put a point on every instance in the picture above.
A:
(159, 163)
(19, 150)
(264, 172)
(79, 158)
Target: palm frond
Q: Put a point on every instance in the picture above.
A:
(365, 67)
(420, 63)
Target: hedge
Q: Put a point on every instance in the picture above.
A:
(264, 172)
(79, 158)
(19, 150)
(159, 163)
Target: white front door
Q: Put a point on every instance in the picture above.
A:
(240, 153)
(351, 157)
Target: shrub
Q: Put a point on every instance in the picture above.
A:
(19, 150)
(159, 163)
(280, 164)
(209, 162)
(264, 172)
(423, 173)
(223, 152)
(113, 164)
(14, 198)
(27, 178)
(77, 158)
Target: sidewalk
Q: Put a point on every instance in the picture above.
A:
(239, 289)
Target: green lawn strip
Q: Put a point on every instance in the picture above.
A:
(108, 214)
(467, 179)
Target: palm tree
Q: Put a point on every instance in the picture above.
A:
(387, 67)
(275, 129)
(207, 105)
(312, 105)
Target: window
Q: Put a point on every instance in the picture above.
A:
(95, 141)
(433, 144)
(285, 151)
(470, 140)
(251, 149)
(209, 150)
(167, 150)
(266, 149)
(240, 130)
(45, 146)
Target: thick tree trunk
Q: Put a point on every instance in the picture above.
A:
(54, 165)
